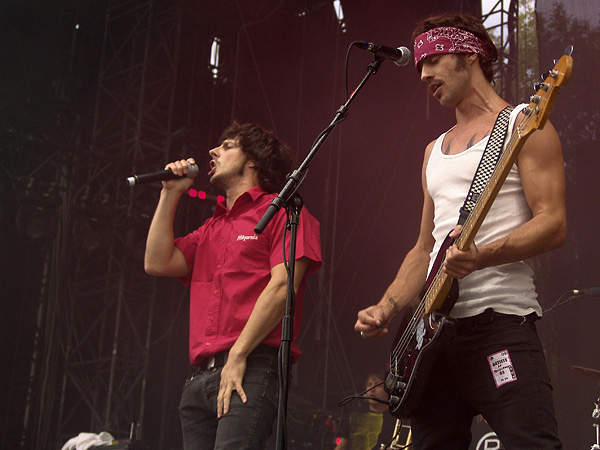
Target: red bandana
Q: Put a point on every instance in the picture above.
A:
(444, 40)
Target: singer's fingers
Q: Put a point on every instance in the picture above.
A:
(178, 167)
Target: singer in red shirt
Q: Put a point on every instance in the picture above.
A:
(238, 287)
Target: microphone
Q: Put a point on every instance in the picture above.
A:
(401, 55)
(592, 292)
(161, 175)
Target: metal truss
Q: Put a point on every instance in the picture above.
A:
(111, 300)
(88, 369)
(502, 21)
(98, 322)
(36, 138)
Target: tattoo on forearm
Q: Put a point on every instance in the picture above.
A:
(394, 304)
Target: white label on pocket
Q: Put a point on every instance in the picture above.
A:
(502, 368)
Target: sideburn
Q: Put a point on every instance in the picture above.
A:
(461, 62)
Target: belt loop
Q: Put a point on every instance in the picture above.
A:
(531, 317)
(195, 371)
(485, 318)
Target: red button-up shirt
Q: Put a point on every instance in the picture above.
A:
(230, 267)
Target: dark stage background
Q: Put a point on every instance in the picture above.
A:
(282, 65)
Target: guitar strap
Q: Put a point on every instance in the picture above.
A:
(488, 162)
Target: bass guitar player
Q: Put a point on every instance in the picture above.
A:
(491, 362)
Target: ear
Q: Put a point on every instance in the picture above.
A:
(252, 164)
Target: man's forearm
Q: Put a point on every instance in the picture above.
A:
(408, 282)
(159, 244)
(541, 234)
(268, 310)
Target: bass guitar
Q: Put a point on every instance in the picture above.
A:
(426, 331)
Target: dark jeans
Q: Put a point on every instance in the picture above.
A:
(246, 425)
(462, 384)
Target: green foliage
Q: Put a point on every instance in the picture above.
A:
(576, 117)
(547, 35)
(523, 60)
(529, 67)
(577, 114)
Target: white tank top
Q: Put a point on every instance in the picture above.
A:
(507, 288)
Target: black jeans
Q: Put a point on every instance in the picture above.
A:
(246, 425)
(494, 366)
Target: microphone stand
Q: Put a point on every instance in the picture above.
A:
(287, 197)
(287, 325)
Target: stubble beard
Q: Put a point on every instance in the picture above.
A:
(223, 180)
(460, 72)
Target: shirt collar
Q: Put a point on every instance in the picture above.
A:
(250, 195)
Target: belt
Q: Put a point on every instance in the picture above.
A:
(214, 361)
(489, 316)
(219, 359)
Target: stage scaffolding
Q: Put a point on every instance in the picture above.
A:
(502, 21)
(90, 364)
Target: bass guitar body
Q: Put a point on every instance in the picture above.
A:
(420, 339)
(407, 379)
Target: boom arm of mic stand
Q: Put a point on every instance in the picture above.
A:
(298, 175)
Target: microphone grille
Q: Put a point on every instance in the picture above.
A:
(406, 56)
(192, 170)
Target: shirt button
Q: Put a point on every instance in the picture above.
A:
(218, 266)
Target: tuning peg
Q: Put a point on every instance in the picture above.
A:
(569, 50)
(535, 99)
(400, 386)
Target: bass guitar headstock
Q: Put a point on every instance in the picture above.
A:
(540, 104)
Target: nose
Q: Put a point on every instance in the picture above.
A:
(425, 73)
(213, 152)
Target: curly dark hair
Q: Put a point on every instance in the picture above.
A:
(272, 156)
(469, 23)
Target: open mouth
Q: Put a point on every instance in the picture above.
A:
(213, 166)
(434, 87)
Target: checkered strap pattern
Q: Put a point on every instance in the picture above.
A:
(488, 162)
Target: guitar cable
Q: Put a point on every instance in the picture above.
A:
(362, 396)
